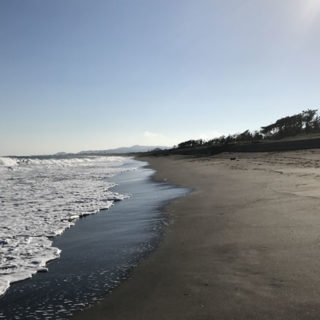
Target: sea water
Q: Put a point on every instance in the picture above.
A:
(98, 252)
(39, 199)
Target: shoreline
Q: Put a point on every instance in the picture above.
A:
(243, 245)
(98, 252)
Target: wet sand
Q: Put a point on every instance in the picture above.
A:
(245, 244)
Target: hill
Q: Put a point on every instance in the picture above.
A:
(122, 150)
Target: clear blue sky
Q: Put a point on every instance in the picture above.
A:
(95, 74)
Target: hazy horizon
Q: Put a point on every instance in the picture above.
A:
(61, 152)
(91, 75)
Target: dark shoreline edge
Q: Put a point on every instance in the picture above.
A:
(163, 209)
(169, 218)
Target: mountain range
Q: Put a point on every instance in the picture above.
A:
(123, 150)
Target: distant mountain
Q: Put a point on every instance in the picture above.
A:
(61, 154)
(123, 150)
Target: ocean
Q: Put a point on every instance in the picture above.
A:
(66, 270)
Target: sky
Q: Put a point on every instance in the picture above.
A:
(97, 74)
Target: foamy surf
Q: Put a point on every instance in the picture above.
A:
(40, 198)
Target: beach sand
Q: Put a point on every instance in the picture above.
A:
(245, 244)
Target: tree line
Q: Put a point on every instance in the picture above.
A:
(306, 122)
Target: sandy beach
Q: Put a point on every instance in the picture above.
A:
(245, 244)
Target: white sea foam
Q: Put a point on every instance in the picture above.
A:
(39, 199)
(8, 162)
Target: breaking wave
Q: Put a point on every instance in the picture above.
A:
(40, 198)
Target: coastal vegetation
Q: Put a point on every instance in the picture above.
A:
(306, 122)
